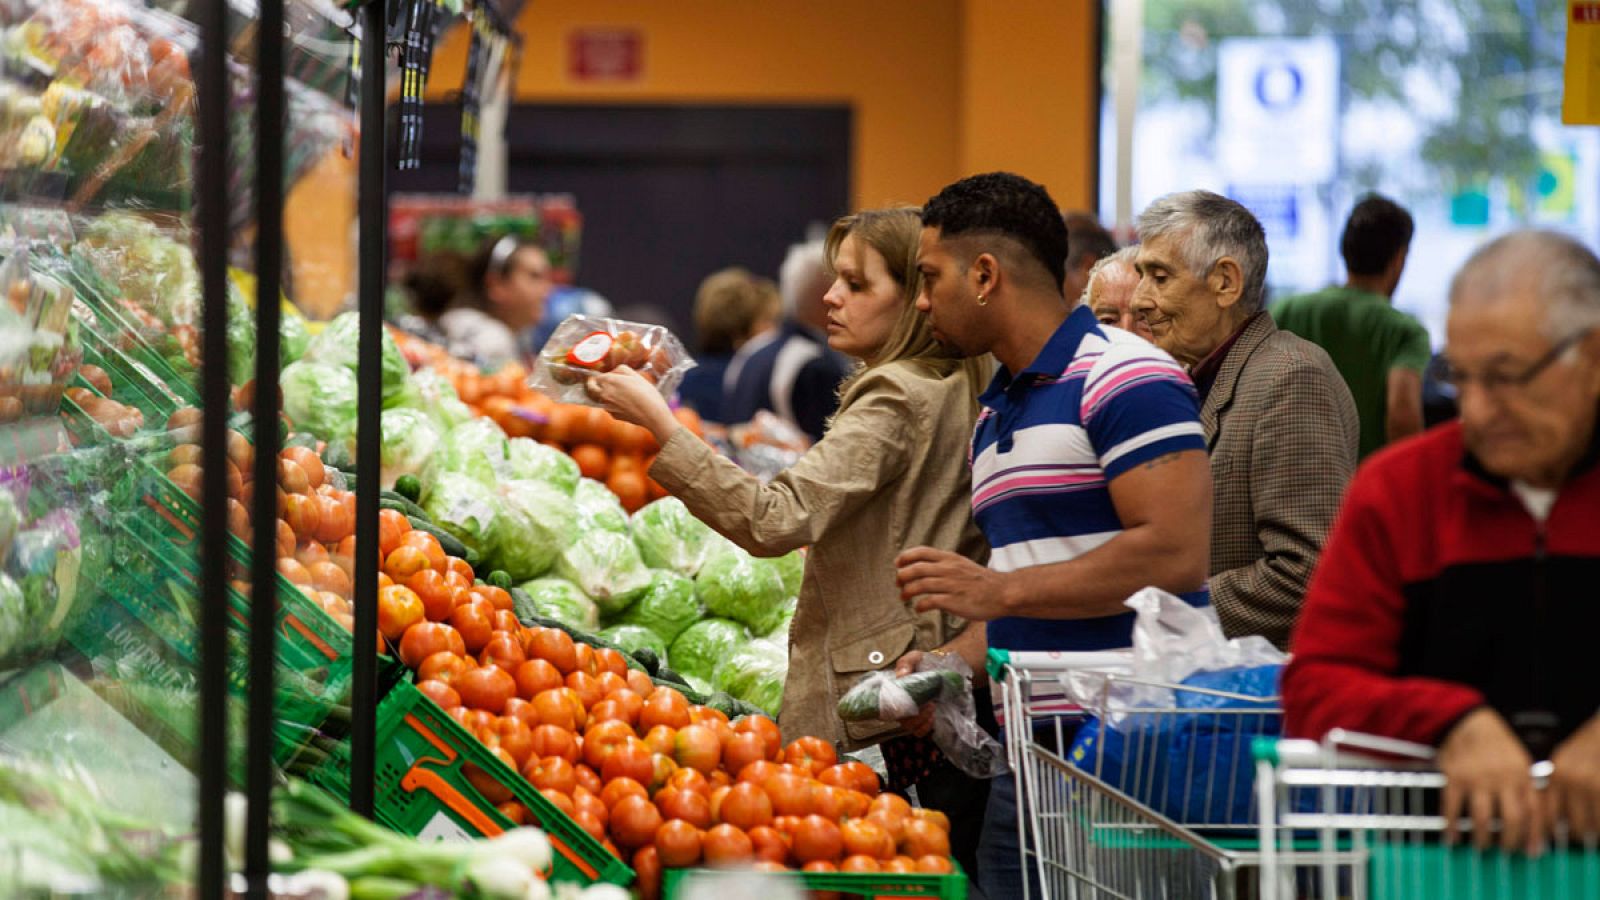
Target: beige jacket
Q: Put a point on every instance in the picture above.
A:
(891, 473)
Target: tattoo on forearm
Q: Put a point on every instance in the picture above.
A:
(1162, 460)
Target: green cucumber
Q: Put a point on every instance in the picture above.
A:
(409, 487)
(500, 579)
(860, 704)
(394, 501)
(648, 659)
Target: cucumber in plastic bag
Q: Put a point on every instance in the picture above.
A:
(866, 701)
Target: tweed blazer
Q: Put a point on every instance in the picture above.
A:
(1283, 433)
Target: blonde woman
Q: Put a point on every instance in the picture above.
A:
(889, 473)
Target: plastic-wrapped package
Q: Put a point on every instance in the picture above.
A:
(667, 606)
(338, 342)
(755, 674)
(559, 599)
(703, 645)
(606, 565)
(320, 400)
(409, 440)
(598, 508)
(738, 586)
(536, 527)
(528, 459)
(583, 345)
(636, 637)
(465, 507)
(670, 537)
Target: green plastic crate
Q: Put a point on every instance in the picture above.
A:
(421, 788)
(132, 383)
(879, 886)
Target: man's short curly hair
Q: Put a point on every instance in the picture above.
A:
(1005, 205)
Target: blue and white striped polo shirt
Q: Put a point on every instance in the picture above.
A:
(1095, 403)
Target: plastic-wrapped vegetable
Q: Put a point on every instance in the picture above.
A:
(432, 393)
(321, 400)
(792, 567)
(880, 695)
(560, 599)
(666, 607)
(599, 508)
(241, 337)
(780, 632)
(703, 645)
(536, 525)
(634, 637)
(581, 345)
(738, 586)
(14, 623)
(755, 674)
(476, 449)
(670, 537)
(337, 345)
(465, 507)
(293, 339)
(608, 568)
(409, 441)
(527, 458)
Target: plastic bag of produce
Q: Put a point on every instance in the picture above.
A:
(435, 395)
(780, 632)
(536, 524)
(14, 624)
(755, 674)
(465, 507)
(560, 599)
(598, 508)
(666, 607)
(792, 567)
(337, 345)
(529, 459)
(583, 345)
(321, 400)
(409, 441)
(476, 449)
(703, 645)
(634, 637)
(608, 568)
(293, 338)
(670, 537)
(738, 586)
(241, 332)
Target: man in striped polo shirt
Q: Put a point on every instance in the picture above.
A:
(1089, 471)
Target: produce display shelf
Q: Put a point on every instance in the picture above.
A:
(422, 788)
(879, 886)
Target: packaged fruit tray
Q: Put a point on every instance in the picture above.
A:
(877, 885)
(423, 788)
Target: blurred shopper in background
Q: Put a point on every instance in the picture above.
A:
(1381, 352)
(1455, 604)
(1087, 243)
(890, 473)
(1279, 422)
(501, 296)
(791, 371)
(1109, 294)
(731, 307)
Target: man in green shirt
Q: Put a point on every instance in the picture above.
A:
(1379, 350)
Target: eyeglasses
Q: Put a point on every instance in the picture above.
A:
(1497, 382)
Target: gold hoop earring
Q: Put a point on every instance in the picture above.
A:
(983, 299)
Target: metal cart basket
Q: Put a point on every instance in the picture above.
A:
(1356, 816)
(1153, 801)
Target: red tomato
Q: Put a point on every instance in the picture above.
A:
(438, 600)
(634, 821)
(555, 647)
(618, 788)
(665, 706)
(769, 844)
(631, 760)
(742, 750)
(552, 740)
(535, 676)
(503, 650)
(392, 526)
(399, 608)
(725, 845)
(746, 806)
(486, 688)
(647, 865)
(678, 843)
(443, 666)
(817, 839)
(424, 639)
(551, 773)
(689, 805)
(474, 620)
(771, 738)
(440, 693)
(812, 753)
(697, 747)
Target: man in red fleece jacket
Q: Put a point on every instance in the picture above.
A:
(1457, 602)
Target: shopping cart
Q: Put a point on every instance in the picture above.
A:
(1158, 806)
(1357, 816)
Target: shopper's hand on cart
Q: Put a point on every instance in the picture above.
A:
(627, 395)
(921, 723)
(939, 579)
(1488, 779)
(1573, 794)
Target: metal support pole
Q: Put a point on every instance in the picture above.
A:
(212, 201)
(371, 212)
(270, 104)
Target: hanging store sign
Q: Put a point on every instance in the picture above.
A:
(1580, 100)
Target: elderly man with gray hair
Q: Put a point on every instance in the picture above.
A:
(1109, 293)
(1456, 603)
(1280, 424)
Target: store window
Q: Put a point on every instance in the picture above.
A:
(1450, 107)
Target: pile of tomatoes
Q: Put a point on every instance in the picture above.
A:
(660, 782)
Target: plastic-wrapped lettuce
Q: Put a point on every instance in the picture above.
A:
(465, 507)
(738, 586)
(560, 599)
(432, 393)
(703, 645)
(608, 568)
(293, 338)
(666, 607)
(792, 566)
(10, 521)
(670, 537)
(780, 632)
(336, 345)
(409, 441)
(599, 508)
(320, 400)
(241, 333)
(536, 524)
(633, 637)
(755, 674)
(527, 458)
(14, 620)
(476, 449)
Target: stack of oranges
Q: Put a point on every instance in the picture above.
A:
(659, 781)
